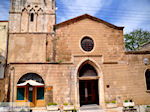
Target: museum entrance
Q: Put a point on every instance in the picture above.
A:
(88, 85)
(30, 88)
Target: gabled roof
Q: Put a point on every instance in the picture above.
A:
(146, 46)
(76, 19)
(3, 20)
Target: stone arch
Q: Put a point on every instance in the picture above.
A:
(32, 10)
(24, 10)
(24, 20)
(40, 10)
(30, 88)
(31, 76)
(99, 77)
(32, 20)
(88, 83)
(40, 18)
(92, 63)
(87, 70)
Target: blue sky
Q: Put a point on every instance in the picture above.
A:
(131, 14)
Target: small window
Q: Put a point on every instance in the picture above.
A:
(31, 17)
(87, 44)
(147, 76)
(40, 93)
(20, 93)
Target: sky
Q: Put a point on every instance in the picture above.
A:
(131, 14)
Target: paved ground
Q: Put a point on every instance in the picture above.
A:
(84, 108)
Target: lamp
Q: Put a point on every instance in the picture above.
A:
(53, 33)
(146, 61)
(30, 88)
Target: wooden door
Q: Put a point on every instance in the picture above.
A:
(88, 92)
(31, 96)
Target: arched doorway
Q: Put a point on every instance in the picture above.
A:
(88, 85)
(30, 88)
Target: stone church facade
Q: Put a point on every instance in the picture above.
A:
(3, 51)
(80, 61)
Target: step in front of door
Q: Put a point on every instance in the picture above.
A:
(91, 108)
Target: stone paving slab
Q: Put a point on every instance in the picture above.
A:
(85, 108)
(91, 108)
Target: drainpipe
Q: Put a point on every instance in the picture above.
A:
(6, 69)
(12, 80)
(12, 71)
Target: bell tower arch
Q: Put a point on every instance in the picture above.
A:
(32, 16)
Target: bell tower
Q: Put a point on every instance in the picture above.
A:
(32, 16)
(30, 27)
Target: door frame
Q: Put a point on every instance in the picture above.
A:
(100, 82)
(97, 89)
(33, 103)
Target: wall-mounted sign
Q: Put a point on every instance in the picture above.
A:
(48, 88)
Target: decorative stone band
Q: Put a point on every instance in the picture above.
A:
(89, 78)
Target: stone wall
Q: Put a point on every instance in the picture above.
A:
(2, 89)
(127, 80)
(56, 57)
(27, 48)
(20, 16)
(56, 76)
(107, 41)
(3, 37)
(122, 80)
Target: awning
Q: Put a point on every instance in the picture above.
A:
(30, 82)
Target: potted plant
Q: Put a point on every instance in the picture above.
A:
(128, 103)
(52, 106)
(111, 104)
(147, 109)
(67, 106)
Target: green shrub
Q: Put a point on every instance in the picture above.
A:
(60, 61)
(131, 106)
(126, 101)
(107, 102)
(148, 106)
(113, 101)
(48, 59)
(74, 110)
(22, 110)
(49, 104)
(65, 104)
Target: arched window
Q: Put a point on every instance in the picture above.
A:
(147, 76)
(31, 76)
(87, 44)
(31, 17)
(30, 87)
(87, 70)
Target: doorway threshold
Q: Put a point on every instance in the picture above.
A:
(90, 107)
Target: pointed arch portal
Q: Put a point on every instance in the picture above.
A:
(88, 84)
